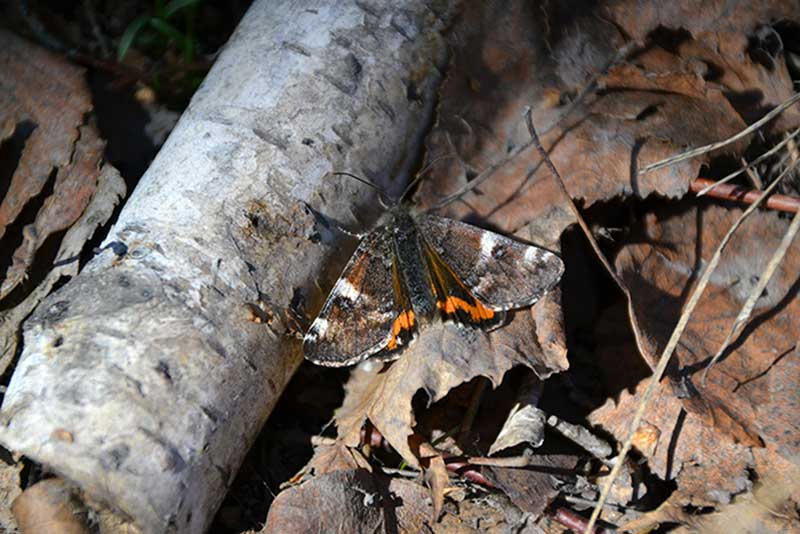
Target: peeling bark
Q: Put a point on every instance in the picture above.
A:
(150, 361)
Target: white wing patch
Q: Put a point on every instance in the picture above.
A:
(317, 330)
(488, 242)
(346, 290)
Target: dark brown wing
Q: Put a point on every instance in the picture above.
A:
(501, 273)
(366, 311)
(453, 298)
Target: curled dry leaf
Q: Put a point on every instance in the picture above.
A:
(54, 158)
(443, 357)
(525, 423)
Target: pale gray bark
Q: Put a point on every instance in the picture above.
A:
(144, 380)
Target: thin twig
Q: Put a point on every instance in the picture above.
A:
(764, 278)
(482, 177)
(587, 232)
(582, 437)
(672, 160)
(750, 165)
(752, 174)
(746, 196)
(620, 54)
(589, 502)
(500, 461)
(758, 290)
(575, 522)
(673, 342)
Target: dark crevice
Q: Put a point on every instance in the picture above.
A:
(11, 152)
(13, 235)
(670, 39)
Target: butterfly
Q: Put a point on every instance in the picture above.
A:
(413, 267)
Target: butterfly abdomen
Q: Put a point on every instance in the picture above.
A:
(412, 267)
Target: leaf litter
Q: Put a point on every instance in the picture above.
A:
(611, 93)
(678, 88)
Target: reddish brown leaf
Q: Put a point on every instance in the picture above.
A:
(49, 96)
(751, 393)
(675, 442)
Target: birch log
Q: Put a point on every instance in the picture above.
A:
(145, 380)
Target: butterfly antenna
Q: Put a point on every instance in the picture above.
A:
(422, 172)
(381, 193)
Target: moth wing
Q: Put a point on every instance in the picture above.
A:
(501, 272)
(366, 311)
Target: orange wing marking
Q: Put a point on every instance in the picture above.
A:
(477, 311)
(404, 322)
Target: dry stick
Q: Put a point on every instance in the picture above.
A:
(587, 232)
(759, 159)
(673, 342)
(748, 196)
(714, 146)
(752, 174)
(765, 277)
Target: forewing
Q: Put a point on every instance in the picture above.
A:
(453, 298)
(362, 310)
(500, 272)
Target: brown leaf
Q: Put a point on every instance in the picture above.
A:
(435, 476)
(676, 90)
(74, 186)
(679, 445)
(751, 393)
(351, 501)
(49, 97)
(444, 356)
(533, 488)
(330, 458)
(768, 508)
(50, 506)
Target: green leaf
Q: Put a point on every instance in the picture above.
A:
(174, 6)
(164, 27)
(128, 37)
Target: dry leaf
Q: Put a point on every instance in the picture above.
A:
(444, 356)
(707, 466)
(110, 190)
(351, 501)
(435, 476)
(751, 393)
(533, 488)
(525, 423)
(50, 506)
(52, 157)
(48, 99)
